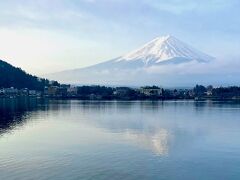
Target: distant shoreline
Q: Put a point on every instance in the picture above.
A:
(122, 99)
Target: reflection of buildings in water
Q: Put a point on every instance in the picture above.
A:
(157, 141)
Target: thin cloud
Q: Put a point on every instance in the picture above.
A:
(179, 6)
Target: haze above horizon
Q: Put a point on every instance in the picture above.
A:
(43, 37)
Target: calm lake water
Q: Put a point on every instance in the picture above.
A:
(119, 140)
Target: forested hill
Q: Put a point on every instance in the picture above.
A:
(11, 76)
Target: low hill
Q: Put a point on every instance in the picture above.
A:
(11, 76)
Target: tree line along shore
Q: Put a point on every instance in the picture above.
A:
(62, 91)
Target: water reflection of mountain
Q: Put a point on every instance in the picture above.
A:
(155, 125)
(161, 127)
(14, 112)
(158, 142)
(152, 125)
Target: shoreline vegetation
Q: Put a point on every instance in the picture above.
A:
(67, 92)
(14, 82)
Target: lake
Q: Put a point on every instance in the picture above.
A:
(71, 139)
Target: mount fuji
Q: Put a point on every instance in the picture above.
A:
(162, 61)
(160, 51)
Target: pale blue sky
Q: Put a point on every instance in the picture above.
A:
(45, 36)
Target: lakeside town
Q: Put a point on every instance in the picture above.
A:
(62, 91)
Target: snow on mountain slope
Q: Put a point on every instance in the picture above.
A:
(163, 49)
(160, 51)
(163, 54)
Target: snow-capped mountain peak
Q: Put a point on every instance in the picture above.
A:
(162, 49)
(165, 55)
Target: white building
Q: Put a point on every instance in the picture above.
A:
(11, 91)
(152, 91)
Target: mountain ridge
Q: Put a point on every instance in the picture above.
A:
(165, 48)
(133, 67)
(11, 76)
(159, 51)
